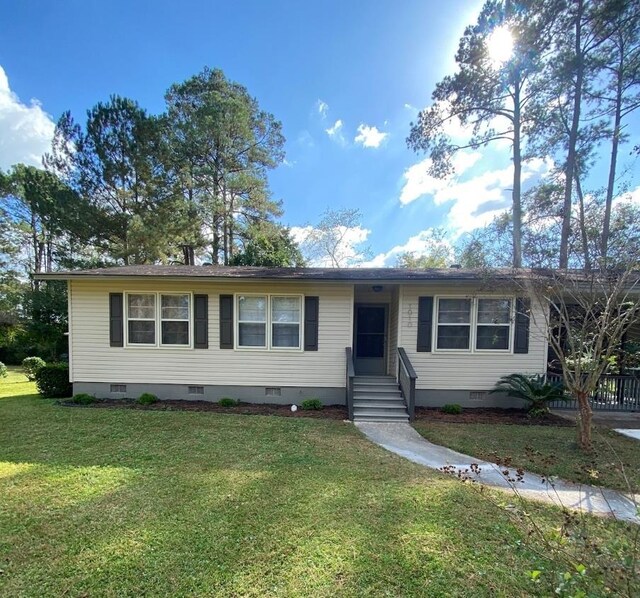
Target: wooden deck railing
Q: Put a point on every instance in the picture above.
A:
(349, 381)
(614, 393)
(407, 380)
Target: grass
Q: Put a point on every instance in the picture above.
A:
(97, 502)
(547, 450)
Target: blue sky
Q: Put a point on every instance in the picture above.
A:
(362, 64)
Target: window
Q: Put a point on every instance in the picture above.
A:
(163, 316)
(269, 321)
(174, 319)
(493, 325)
(454, 324)
(285, 322)
(141, 319)
(252, 321)
(481, 324)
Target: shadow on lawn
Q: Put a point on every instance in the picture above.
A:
(156, 503)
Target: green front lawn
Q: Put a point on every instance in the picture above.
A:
(97, 502)
(549, 450)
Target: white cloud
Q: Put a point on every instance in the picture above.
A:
(421, 244)
(370, 136)
(335, 132)
(632, 197)
(347, 252)
(322, 108)
(419, 182)
(475, 201)
(26, 130)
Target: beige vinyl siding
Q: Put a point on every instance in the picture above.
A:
(460, 370)
(95, 361)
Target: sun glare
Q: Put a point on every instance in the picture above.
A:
(500, 45)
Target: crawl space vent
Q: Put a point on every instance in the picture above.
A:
(121, 388)
(196, 390)
(272, 392)
(477, 395)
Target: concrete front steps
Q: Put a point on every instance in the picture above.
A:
(378, 399)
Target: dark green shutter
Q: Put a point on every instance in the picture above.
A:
(425, 323)
(226, 321)
(116, 320)
(201, 321)
(521, 337)
(311, 305)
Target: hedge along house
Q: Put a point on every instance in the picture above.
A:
(380, 340)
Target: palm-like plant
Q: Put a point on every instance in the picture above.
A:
(537, 391)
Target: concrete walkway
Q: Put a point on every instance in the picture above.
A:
(403, 440)
(631, 433)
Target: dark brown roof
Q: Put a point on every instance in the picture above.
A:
(257, 273)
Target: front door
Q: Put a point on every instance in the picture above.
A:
(370, 342)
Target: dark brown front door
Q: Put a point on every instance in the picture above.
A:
(370, 342)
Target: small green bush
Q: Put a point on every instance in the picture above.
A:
(83, 399)
(31, 365)
(452, 409)
(311, 404)
(4, 372)
(227, 402)
(146, 398)
(52, 381)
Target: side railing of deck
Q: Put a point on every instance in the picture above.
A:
(351, 374)
(614, 393)
(407, 380)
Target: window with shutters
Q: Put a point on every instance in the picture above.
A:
(174, 319)
(158, 319)
(141, 319)
(480, 324)
(269, 321)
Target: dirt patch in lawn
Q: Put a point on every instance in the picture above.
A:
(328, 412)
(489, 415)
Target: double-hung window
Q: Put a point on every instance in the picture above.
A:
(141, 318)
(269, 321)
(493, 325)
(454, 324)
(473, 324)
(252, 321)
(174, 319)
(285, 322)
(159, 318)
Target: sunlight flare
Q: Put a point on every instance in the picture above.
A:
(500, 45)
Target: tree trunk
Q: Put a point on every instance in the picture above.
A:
(585, 415)
(612, 166)
(517, 176)
(583, 226)
(573, 140)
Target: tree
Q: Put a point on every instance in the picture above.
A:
(437, 252)
(336, 240)
(221, 147)
(588, 316)
(38, 212)
(270, 246)
(621, 96)
(492, 96)
(117, 163)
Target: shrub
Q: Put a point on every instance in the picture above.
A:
(30, 366)
(452, 409)
(227, 402)
(4, 372)
(83, 399)
(535, 390)
(52, 380)
(146, 398)
(311, 404)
